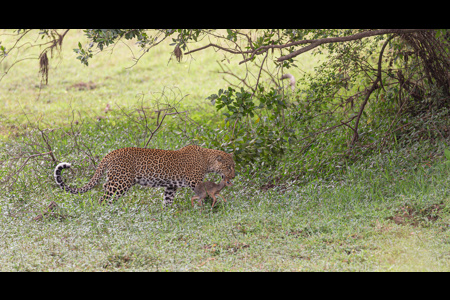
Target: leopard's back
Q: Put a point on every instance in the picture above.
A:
(167, 168)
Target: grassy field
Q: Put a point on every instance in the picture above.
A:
(110, 78)
(388, 212)
(376, 217)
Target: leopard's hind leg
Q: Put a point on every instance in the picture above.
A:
(115, 188)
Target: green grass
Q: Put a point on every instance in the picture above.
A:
(339, 224)
(116, 81)
(351, 220)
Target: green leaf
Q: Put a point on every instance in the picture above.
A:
(447, 154)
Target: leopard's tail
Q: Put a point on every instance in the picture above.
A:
(93, 182)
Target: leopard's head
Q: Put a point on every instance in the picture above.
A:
(224, 165)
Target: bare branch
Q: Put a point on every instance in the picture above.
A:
(44, 137)
(229, 72)
(144, 51)
(259, 75)
(160, 123)
(217, 46)
(23, 165)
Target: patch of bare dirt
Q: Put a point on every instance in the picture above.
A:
(82, 86)
(412, 216)
(275, 183)
(298, 233)
(52, 211)
(232, 248)
(235, 247)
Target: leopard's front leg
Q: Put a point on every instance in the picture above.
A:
(169, 194)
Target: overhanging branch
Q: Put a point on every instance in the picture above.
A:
(312, 44)
(357, 36)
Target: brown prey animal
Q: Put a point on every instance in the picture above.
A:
(210, 188)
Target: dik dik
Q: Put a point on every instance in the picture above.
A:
(210, 188)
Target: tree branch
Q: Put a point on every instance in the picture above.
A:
(160, 123)
(217, 46)
(312, 43)
(369, 92)
(357, 36)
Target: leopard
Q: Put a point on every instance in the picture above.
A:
(170, 169)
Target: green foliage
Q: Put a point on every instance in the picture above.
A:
(447, 154)
(239, 104)
(84, 54)
(102, 38)
(254, 128)
(2, 50)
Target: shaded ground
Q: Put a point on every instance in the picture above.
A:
(412, 216)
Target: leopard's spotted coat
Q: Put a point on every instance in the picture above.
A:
(171, 169)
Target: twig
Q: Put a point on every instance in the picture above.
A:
(354, 130)
(329, 128)
(234, 126)
(216, 46)
(23, 165)
(259, 74)
(136, 60)
(160, 123)
(234, 75)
